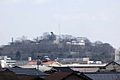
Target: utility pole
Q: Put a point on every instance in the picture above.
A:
(12, 40)
(39, 62)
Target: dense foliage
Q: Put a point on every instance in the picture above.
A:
(54, 46)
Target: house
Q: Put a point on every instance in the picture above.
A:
(33, 64)
(27, 72)
(87, 67)
(25, 77)
(110, 67)
(59, 69)
(103, 75)
(84, 67)
(51, 63)
(67, 76)
(7, 75)
(7, 62)
(63, 69)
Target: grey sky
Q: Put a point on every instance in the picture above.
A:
(95, 19)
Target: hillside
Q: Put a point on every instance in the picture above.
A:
(54, 46)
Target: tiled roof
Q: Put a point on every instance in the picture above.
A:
(64, 75)
(27, 71)
(4, 75)
(57, 76)
(113, 63)
(51, 63)
(110, 67)
(104, 75)
(63, 69)
(32, 62)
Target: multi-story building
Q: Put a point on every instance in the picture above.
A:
(6, 62)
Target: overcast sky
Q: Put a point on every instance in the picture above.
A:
(94, 19)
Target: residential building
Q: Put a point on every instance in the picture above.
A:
(27, 71)
(7, 62)
(67, 76)
(7, 75)
(103, 75)
(110, 67)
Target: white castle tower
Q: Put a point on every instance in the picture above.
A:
(117, 54)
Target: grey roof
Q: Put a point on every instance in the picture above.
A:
(104, 75)
(110, 67)
(27, 71)
(63, 69)
(113, 63)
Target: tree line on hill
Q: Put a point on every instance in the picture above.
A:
(58, 46)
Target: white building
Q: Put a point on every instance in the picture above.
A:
(117, 55)
(6, 62)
